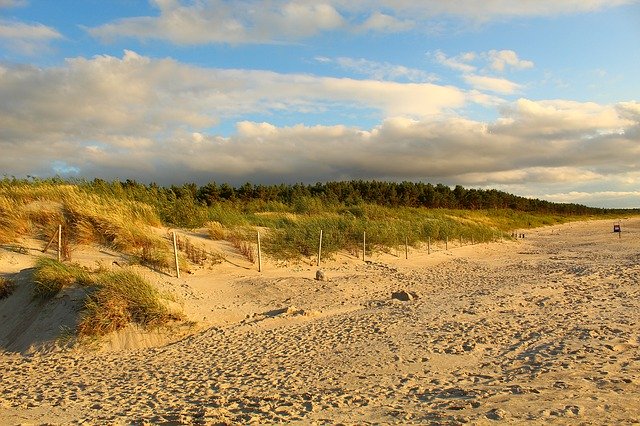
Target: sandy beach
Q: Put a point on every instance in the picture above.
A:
(541, 330)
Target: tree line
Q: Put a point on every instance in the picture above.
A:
(345, 193)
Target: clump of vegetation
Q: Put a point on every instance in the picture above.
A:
(121, 298)
(7, 287)
(52, 276)
(197, 255)
(239, 238)
(114, 299)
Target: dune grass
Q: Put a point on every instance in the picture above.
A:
(51, 276)
(121, 298)
(113, 299)
(7, 287)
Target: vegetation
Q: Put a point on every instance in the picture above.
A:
(121, 298)
(113, 299)
(51, 276)
(7, 287)
(122, 214)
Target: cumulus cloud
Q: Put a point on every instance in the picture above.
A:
(380, 70)
(26, 38)
(253, 21)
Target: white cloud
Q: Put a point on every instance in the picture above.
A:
(380, 70)
(26, 38)
(492, 84)
(381, 22)
(459, 63)
(252, 21)
(499, 59)
(218, 21)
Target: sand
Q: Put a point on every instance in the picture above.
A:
(540, 330)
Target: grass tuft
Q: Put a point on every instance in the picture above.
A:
(121, 298)
(7, 287)
(52, 276)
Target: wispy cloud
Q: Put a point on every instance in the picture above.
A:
(249, 21)
(26, 38)
(499, 60)
(381, 70)
(492, 84)
(12, 3)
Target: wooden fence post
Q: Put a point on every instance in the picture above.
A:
(406, 247)
(175, 254)
(364, 245)
(446, 242)
(259, 254)
(319, 249)
(429, 246)
(59, 243)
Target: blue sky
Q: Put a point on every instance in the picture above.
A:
(538, 98)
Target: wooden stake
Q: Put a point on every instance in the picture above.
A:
(320, 248)
(364, 245)
(50, 242)
(259, 255)
(406, 247)
(59, 243)
(446, 242)
(429, 246)
(175, 254)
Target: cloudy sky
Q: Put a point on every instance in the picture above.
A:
(538, 98)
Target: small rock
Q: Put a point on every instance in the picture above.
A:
(404, 296)
(320, 275)
(496, 414)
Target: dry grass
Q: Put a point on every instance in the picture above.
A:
(114, 299)
(7, 287)
(52, 276)
(121, 298)
(216, 231)
(122, 224)
(240, 240)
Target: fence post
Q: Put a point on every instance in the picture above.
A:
(175, 254)
(446, 242)
(364, 245)
(259, 254)
(429, 246)
(59, 243)
(406, 247)
(319, 249)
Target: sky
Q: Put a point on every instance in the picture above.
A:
(539, 98)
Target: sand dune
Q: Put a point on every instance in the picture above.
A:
(541, 330)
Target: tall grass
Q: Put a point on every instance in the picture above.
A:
(7, 287)
(87, 218)
(51, 276)
(121, 298)
(113, 299)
